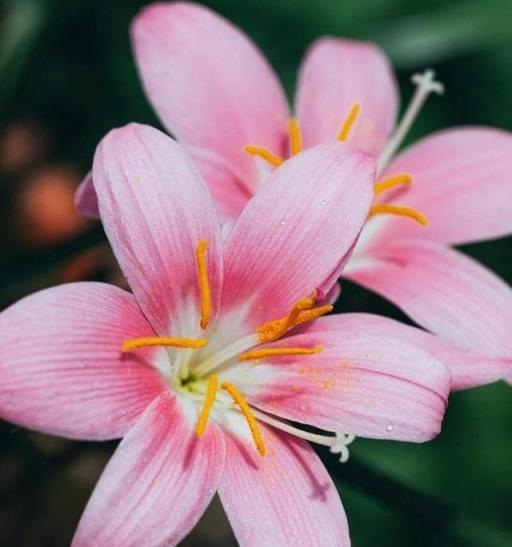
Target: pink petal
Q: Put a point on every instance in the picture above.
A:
(284, 498)
(444, 291)
(155, 210)
(158, 483)
(86, 199)
(295, 231)
(361, 383)
(334, 75)
(209, 83)
(462, 182)
(467, 369)
(228, 191)
(61, 368)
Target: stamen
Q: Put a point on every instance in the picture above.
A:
(400, 179)
(425, 85)
(245, 409)
(295, 136)
(305, 303)
(134, 343)
(204, 285)
(349, 121)
(271, 330)
(257, 354)
(211, 392)
(399, 210)
(265, 154)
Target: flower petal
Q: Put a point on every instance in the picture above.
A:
(467, 368)
(444, 291)
(158, 483)
(61, 367)
(209, 83)
(295, 231)
(86, 199)
(155, 210)
(284, 498)
(360, 383)
(334, 75)
(462, 183)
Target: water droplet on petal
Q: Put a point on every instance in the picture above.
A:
(389, 427)
(323, 202)
(283, 222)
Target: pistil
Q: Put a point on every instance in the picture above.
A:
(425, 85)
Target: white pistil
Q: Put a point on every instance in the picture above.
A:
(227, 353)
(338, 443)
(425, 85)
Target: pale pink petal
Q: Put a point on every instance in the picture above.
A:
(61, 368)
(86, 199)
(226, 187)
(158, 483)
(444, 291)
(284, 498)
(462, 182)
(295, 231)
(209, 83)
(336, 74)
(155, 209)
(468, 369)
(361, 383)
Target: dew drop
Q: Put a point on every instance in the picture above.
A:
(323, 202)
(389, 427)
(283, 222)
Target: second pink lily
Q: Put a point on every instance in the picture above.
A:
(216, 93)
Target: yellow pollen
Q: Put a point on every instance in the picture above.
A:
(277, 352)
(265, 154)
(295, 136)
(245, 409)
(211, 392)
(205, 297)
(399, 210)
(272, 330)
(134, 343)
(349, 121)
(305, 303)
(400, 179)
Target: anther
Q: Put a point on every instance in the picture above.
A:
(349, 121)
(265, 154)
(295, 136)
(205, 298)
(399, 210)
(211, 392)
(399, 179)
(134, 343)
(257, 354)
(245, 409)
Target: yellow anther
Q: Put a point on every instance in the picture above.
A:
(295, 136)
(257, 354)
(134, 343)
(272, 330)
(211, 392)
(305, 303)
(265, 154)
(349, 121)
(205, 297)
(245, 409)
(400, 179)
(399, 210)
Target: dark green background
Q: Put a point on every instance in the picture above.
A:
(68, 66)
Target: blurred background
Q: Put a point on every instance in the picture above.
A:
(67, 76)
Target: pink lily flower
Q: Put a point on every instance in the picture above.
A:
(220, 344)
(461, 178)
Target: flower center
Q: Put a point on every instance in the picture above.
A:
(201, 384)
(425, 85)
